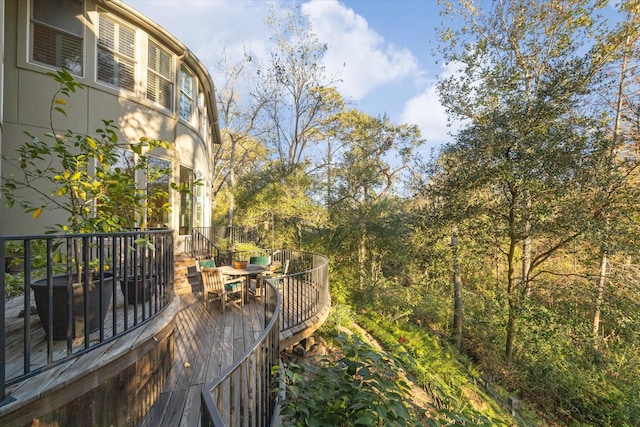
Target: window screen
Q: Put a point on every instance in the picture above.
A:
(56, 34)
(186, 94)
(159, 76)
(116, 53)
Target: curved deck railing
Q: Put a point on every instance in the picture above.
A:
(133, 283)
(244, 394)
(304, 289)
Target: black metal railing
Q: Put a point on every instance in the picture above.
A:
(201, 244)
(304, 289)
(232, 235)
(243, 394)
(59, 295)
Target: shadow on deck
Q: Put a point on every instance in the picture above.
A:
(206, 343)
(155, 375)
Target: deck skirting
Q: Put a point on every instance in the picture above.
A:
(114, 388)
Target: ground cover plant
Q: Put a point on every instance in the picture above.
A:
(362, 387)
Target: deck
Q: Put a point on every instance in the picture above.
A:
(194, 346)
(206, 343)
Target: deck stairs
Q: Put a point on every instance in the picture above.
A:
(185, 274)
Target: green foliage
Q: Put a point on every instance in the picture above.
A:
(13, 285)
(559, 367)
(80, 174)
(435, 367)
(362, 388)
(278, 194)
(14, 255)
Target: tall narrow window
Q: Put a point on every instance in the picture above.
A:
(159, 76)
(116, 53)
(158, 193)
(123, 209)
(202, 112)
(186, 201)
(57, 30)
(198, 191)
(186, 94)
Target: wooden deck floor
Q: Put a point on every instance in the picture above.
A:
(206, 343)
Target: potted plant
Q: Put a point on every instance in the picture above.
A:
(14, 257)
(240, 255)
(85, 177)
(240, 259)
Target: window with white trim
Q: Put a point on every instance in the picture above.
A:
(158, 216)
(202, 111)
(159, 76)
(198, 192)
(186, 94)
(186, 201)
(116, 53)
(56, 34)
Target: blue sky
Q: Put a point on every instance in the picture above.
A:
(381, 48)
(387, 47)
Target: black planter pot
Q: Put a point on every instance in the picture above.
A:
(61, 326)
(14, 264)
(146, 288)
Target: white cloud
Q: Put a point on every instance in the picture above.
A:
(357, 54)
(426, 111)
(209, 27)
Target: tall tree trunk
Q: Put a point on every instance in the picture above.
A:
(362, 257)
(512, 298)
(526, 266)
(457, 293)
(616, 136)
(602, 277)
(526, 249)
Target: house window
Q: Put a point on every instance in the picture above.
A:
(186, 200)
(158, 193)
(159, 76)
(202, 112)
(116, 53)
(57, 34)
(186, 95)
(198, 192)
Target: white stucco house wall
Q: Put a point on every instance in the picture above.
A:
(134, 73)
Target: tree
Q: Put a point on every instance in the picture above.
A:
(365, 207)
(295, 99)
(293, 89)
(521, 80)
(615, 175)
(239, 146)
(86, 177)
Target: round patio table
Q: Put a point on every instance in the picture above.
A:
(247, 271)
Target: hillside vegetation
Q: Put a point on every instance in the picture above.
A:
(512, 251)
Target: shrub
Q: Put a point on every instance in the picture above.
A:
(363, 387)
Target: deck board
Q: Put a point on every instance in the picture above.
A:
(206, 342)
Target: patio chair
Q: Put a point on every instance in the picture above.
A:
(258, 260)
(214, 285)
(276, 277)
